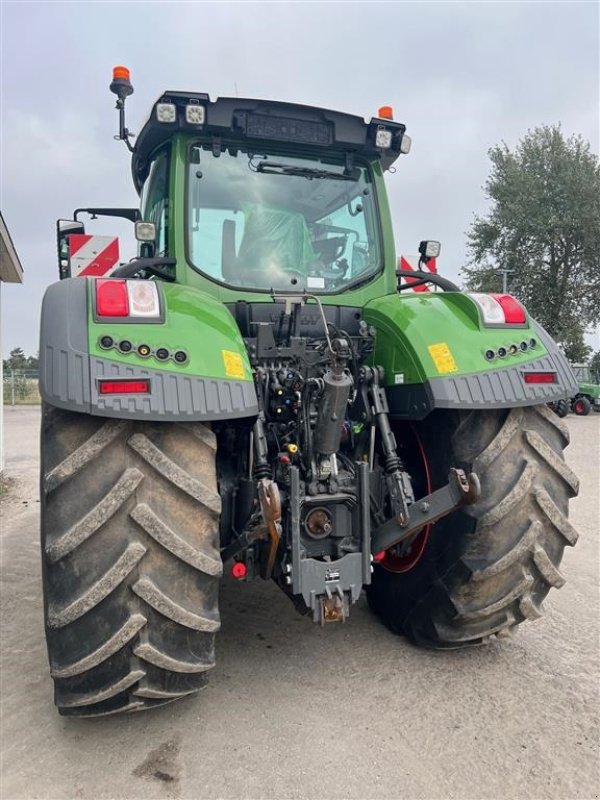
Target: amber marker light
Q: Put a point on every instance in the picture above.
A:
(386, 112)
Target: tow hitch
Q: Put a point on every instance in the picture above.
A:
(461, 490)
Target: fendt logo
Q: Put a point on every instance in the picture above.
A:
(92, 255)
(305, 319)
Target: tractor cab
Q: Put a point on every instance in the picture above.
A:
(251, 195)
(256, 195)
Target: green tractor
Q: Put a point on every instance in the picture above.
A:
(262, 392)
(588, 390)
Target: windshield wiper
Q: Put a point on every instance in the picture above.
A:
(272, 168)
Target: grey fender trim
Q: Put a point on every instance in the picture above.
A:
(173, 396)
(69, 376)
(64, 359)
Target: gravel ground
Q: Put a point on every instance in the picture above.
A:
(294, 711)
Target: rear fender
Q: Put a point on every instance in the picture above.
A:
(215, 381)
(435, 351)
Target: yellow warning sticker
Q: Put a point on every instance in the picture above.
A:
(442, 358)
(234, 365)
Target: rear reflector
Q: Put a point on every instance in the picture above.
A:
(124, 387)
(539, 377)
(111, 298)
(514, 313)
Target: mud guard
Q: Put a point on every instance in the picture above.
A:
(214, 383)
(437, 353)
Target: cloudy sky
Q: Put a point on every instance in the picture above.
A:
(461, 76)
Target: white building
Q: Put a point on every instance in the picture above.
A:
(11, 271)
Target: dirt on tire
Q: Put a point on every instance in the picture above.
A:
(488, 567)
(130, 560)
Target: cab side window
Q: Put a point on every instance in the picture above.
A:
(155, 200)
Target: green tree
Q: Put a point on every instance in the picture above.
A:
(33, 362)
(576, 350)
(16, 359)
(543, 226)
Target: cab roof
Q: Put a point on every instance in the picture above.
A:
(261, 122)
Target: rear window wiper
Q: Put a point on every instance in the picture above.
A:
(272, 168)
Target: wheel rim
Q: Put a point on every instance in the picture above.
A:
(579, 407)
(392, 560)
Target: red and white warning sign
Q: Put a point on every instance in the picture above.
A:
(92, 255)
(412, 263)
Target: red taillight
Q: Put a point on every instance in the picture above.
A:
(124, 387)
(111, 298)
(539, 377)
(514, 313)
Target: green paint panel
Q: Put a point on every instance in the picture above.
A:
(592, 389)
(410, 323)
(195, 323)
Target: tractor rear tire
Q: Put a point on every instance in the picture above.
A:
(581, 406)
(130, 560)
(487, 567)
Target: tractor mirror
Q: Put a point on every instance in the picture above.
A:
(64, 228)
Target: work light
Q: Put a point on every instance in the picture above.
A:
(383, 138)
(429, 248)
(166, 112)
(194, 115)
(145, 231)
